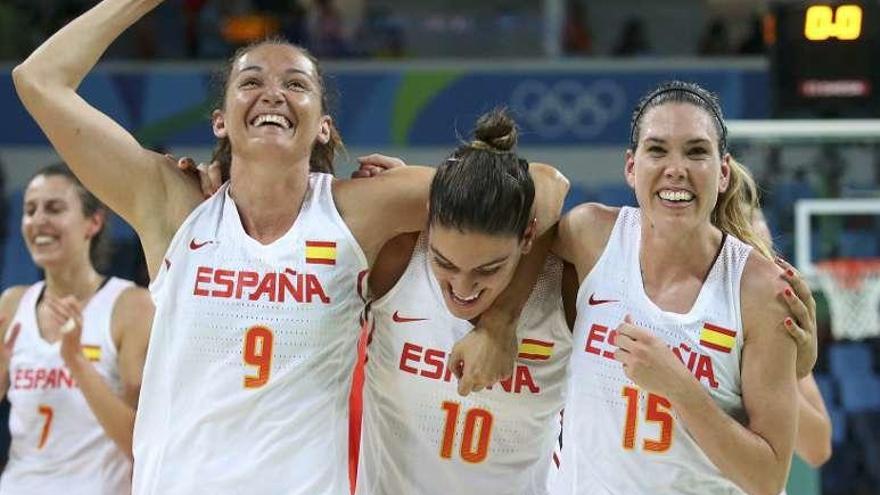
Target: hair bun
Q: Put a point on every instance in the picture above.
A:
(495, 130)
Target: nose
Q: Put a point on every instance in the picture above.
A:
(272, 95)
(675, 170)
(464, 284)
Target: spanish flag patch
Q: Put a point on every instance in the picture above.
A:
(537, 350)
(717, 338)
(321, 252)
(92, 352)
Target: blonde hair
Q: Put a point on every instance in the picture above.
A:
(736, 208)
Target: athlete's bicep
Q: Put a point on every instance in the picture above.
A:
(385, 206)
(132, 320)
(769, 385)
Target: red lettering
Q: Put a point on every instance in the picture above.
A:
(267, 286)
(597, 333)
(524, 378)
(313, 288)
(705, 370)
(507, 383)
(203, 276)
(66, 378)
(224, 278)
(52, 381)
(41, 377)
(245, 279)
(411, 352)
(288, 287)
(437, 359)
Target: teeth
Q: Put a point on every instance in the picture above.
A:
(676, 195)
(42, 240)
(465, 299)
(272, 119)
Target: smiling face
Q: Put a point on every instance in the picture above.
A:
(54, 227)
(273, 104)
(472, 268)
(676, 170)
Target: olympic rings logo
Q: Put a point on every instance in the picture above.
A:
(554, 109)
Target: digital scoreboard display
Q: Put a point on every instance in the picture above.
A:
(825, 59)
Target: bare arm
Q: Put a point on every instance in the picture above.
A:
(107, 159)
(131, 320)
(813, 442)
(757, 455)
(8, 305)
(385, 206)
(583, 233)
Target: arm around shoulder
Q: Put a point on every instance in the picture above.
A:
(551, 187)
(378, 209)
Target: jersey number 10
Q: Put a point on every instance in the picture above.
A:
(474, 438)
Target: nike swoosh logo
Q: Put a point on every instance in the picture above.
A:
(401, 319)
(595, 302)
(198, 245)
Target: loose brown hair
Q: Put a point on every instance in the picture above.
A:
(323, 154)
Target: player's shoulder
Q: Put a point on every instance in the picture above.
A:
(761, 277)
(11, 297)
(761, 287)
(591, 223)
(133, 302)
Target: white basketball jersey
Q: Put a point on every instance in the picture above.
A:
(618, 439)
(58, 447)
(248, 373)
(419, 436)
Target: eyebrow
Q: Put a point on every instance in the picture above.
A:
(257, 68)
(689, 141)
(483, 266)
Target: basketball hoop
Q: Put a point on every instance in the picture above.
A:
(852, 288)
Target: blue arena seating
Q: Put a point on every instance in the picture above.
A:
(849, 359)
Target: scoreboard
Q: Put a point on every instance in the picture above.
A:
(825, 58)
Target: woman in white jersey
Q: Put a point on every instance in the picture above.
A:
(418, 435)
(73, 390)
(256, 289)
(682, 379)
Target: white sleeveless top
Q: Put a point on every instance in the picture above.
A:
(618, 439)
(419, 436)
(248, 373)
(58, 446)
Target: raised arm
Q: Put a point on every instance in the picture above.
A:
(131, 180)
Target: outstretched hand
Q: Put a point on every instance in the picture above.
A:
(802, 328)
